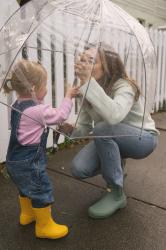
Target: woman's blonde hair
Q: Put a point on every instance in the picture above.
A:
(25, 76)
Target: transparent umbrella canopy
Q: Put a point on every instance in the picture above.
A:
(56, 32)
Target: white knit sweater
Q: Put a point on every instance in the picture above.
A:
(119, 107)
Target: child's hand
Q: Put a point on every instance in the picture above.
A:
(72, 91)
(83, 68)
(66, 128)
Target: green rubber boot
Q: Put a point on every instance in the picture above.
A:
(113, 200)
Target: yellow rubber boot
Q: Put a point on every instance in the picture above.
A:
(45, 225)
(27, 215)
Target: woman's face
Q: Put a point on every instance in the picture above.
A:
(94, 58)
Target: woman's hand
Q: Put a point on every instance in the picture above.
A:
(83, 68)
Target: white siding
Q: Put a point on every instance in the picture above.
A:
(153, 12)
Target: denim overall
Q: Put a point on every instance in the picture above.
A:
(26, 164)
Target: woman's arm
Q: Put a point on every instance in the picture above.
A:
(113, 110)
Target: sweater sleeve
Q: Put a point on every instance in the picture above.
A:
(52, 116)
(113, 110)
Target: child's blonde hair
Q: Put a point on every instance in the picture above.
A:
(25, 76)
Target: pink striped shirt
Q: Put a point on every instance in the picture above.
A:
(30, 131)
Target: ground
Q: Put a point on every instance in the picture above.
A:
(140, 226)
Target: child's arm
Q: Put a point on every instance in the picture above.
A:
(58, 115)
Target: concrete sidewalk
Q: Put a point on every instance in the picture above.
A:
(140, 226)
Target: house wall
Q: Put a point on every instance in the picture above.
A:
(152, 11)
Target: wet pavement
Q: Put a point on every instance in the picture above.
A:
(140, 226)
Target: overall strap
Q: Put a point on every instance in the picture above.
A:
(16, 116)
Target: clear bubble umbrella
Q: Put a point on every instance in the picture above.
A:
(55, 33)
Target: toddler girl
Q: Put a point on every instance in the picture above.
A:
(26, 156)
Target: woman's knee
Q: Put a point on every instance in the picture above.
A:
(103, 128)
(99, 128)
(77, 170)
(81, 171)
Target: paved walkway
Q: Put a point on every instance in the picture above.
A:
(140, 226)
